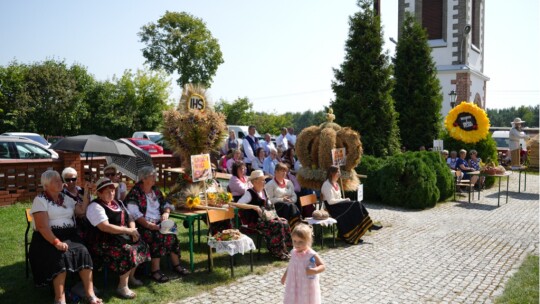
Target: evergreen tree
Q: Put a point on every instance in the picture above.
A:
(417, 92)
(362, 85)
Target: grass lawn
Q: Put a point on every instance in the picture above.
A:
(523, 287)
(15, 288)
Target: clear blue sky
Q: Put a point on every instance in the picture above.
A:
(279, 54)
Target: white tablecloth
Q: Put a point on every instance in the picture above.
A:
(242, 245)
(326, 222)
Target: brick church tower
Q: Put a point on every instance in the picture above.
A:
(456, 37)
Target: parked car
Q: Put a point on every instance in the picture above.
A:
(147, 145)
(163, 143)
(151, 135)
(33, 136)
(18, 147)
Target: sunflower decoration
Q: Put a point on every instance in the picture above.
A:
(467, 122)
(192, 196)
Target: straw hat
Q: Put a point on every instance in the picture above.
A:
(517, 120)
(256, 174)
(105, 182)
(168, 227)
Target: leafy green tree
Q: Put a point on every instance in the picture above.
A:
(503, 117)
(133, 102)
(238, 112)
(180, 42)
(13, 107)
(416, 93)
(362, 85)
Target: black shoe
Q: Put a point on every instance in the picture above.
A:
(185, 223)
(375, 227)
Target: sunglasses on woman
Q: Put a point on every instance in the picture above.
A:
(70, 180)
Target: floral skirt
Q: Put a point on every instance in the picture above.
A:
(160, 244)
(277, 234)
(47, 262)
(119, 254)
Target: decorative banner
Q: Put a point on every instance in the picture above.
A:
(200, 167)
(438, 145)
(467, 122)
(339, 157)
(196, 102)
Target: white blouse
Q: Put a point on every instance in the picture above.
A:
(59, 216)
(330, 194)
(276, 193)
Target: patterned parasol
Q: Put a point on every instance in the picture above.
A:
(130, 165)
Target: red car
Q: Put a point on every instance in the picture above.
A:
(147, 145)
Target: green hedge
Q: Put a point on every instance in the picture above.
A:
(411, 180)
(370, 166)
(407, 181)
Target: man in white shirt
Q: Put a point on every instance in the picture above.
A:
(291, 138)
(250, 144)
(266, 144)
(281, 140)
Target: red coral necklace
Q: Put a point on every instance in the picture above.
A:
(281, 185)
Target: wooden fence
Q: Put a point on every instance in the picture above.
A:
(20, 180)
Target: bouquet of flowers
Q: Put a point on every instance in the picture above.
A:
(219, 198)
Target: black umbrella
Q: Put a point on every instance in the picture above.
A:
(92, 144)
(130, 165)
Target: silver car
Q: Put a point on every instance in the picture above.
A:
(17, 147)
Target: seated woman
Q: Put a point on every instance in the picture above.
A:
(55, 247)
(239, 183)
(258, 162)
(276, 231)
(352, 217)
(69, 175)
(474, 163)
(149, 208)
(288, 157)
(116, 177)
(270, 162)
(463, 165)
(237, 156)
(116, 241)
(281, 193)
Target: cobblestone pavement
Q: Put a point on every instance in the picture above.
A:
(453, 253)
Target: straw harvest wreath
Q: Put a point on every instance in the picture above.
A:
(314, 150)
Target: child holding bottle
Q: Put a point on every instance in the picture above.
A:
(301, 277)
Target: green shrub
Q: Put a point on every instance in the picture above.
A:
(486, 148)
(370, 166)
(445, 182)
(407, 181)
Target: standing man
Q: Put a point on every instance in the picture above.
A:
(291, 138)
(281, 141)
(266, 144)
(515, 135)
(250, 144)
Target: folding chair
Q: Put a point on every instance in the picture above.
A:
(29, 220)
(311, 199)
(216, 216)
(460, 182)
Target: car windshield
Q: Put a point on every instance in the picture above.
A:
(501, 142)
(30, 151)
(143, 142)
(155, 138)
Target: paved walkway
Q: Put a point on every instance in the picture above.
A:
(453, 253)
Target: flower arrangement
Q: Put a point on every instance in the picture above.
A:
(467, 122)
(219, 198)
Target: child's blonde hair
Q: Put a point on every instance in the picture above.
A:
(304, 232)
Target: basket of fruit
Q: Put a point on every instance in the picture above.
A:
(227, 235)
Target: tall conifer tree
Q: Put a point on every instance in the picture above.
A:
(362, 85)
(417, 92)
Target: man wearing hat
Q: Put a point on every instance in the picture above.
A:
(515, 135)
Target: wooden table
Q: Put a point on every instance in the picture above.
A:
(505, 174)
